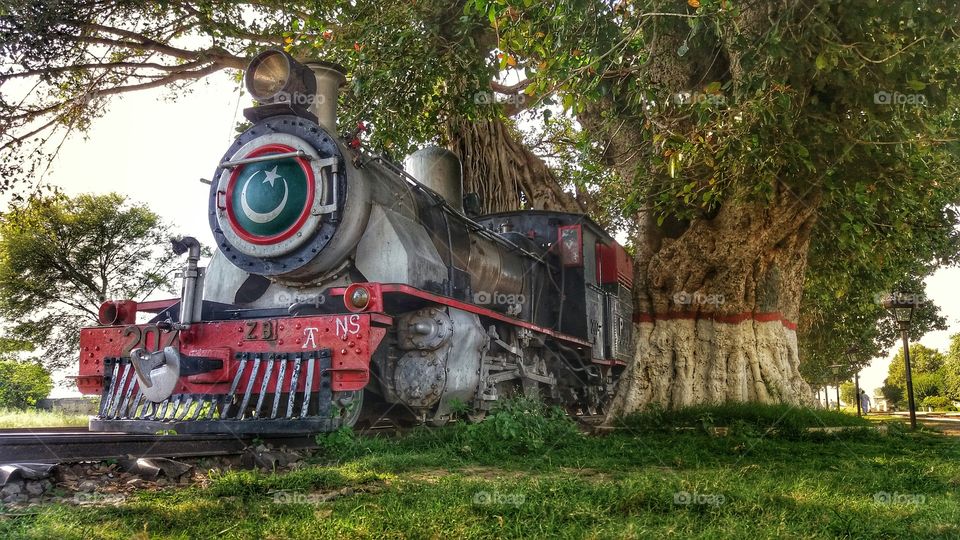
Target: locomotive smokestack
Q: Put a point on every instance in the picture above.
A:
(440, 170)
(330, 77)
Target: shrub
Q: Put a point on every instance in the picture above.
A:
(520, 426)
(937, 402)
(23, 384)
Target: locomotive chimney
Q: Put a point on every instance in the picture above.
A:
(330, 77)
(439, 169)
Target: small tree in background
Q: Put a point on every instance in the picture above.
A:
(929, 385)
(926, 365)
(951, 369)
(848, 393)
(23, 384)
(893, 394)
(61, 257)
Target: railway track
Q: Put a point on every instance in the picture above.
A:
(72, 444)
(68, 445)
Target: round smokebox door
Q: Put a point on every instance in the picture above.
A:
(270, 202)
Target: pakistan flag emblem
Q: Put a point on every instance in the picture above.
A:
(269, 198)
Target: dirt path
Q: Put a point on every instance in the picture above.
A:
(948, 425)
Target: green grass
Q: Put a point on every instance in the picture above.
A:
(33, 418)
(784, 419)
(640, 482)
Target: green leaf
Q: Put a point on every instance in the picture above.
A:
(916, 85)
(822, 62)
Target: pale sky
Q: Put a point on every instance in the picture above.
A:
(155, 150)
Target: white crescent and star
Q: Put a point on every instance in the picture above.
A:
(264, 217)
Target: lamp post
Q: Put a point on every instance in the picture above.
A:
(901, 306)
(852, 356)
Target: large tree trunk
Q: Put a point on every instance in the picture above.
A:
(717, 302)
(717, 297)
(502, 170)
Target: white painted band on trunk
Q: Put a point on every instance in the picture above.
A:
(684, 362)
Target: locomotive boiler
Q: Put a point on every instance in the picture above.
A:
(344, 285)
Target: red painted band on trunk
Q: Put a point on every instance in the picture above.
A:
(735, 318)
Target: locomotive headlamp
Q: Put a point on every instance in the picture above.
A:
(359, 298)
(273, 76)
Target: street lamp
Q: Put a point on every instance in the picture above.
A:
(852, 357)
(901, 306)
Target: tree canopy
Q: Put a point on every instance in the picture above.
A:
(847, 106)
(934, 373)
(22, 384)
(951, 368)
(61, 257)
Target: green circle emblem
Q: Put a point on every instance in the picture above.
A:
(269, 197)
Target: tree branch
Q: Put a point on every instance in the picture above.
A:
(96, 66)
(511, 89)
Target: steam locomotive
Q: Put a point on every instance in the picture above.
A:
(344, 285)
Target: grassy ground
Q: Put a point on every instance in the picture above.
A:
(523, 476)
(31, 418)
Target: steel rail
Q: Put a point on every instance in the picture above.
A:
(43, 446)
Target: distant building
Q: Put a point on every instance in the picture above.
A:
(882, 404)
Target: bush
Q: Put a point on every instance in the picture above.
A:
(937, 402)
(520, 426)
(23, 384)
